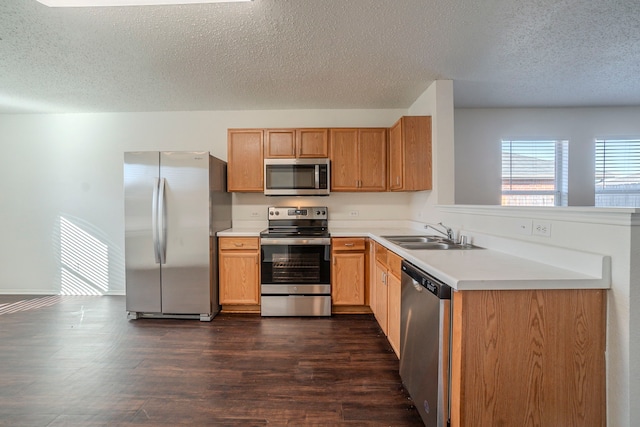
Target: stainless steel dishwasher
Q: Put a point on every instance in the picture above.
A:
(425, 311)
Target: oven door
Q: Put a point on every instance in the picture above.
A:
(296, 261)
(295, 277)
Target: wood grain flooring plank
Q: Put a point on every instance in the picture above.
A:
(80, 362)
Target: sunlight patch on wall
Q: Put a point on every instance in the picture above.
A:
(84, 261)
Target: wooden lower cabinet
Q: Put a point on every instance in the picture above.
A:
(348, 271)
(393, 301)
(381, 301)
(528, 358)
(386, 294)
(239, 273)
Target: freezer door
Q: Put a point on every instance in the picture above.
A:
(184, 229)
(141, 173)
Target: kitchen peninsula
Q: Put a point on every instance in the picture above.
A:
(528, 336)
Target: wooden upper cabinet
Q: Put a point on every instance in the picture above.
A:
(245, 160)
(312, 143)
(279, 143)
(410, 154)
(373, 159)
(358, 159)
(344, 159)
(296, 143)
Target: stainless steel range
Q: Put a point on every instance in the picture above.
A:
(296, 263)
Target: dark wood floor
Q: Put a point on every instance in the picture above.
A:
(77, 361)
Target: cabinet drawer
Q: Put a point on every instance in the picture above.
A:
(235, 243)
(347, 244)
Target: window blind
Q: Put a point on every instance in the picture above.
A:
(617, 172)
(531, 172)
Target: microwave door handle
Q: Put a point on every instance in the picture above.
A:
(317, 177)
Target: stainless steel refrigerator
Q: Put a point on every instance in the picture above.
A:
(175, 202)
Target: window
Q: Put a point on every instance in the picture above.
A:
(534, 173)
(618, 172)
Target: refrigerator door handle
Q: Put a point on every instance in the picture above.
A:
(154, 220)
(162, 226)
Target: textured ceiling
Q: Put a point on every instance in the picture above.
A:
(299, 54)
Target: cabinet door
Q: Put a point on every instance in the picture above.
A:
(347, 278)
(239, 277)
(245, 167)
(371, 273)
(344, 160)
(519, 345)
(393, 335)
(381, 297)
(410, 166)
(279, 143)
(373, 159)
(396, 157)
(416, 134)
(312, 143)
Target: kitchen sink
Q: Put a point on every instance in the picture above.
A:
(427, 242)
(413, 239)
(429, 245)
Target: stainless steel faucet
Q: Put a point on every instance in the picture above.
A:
(448, 231)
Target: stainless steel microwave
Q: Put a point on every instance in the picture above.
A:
(296, 177)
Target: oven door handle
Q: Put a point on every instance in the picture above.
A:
(296, 241)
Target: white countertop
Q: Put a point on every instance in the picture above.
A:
(251, 231)
(484, 269)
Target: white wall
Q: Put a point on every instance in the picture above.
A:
(250, 209)
(633, 320)
(477, 166)
(68, 167)
(479, 132)
(437, 102)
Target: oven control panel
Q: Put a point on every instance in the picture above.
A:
(296, 212)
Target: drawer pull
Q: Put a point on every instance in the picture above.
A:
(238, 245)
(348, 244)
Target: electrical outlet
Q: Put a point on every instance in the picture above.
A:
(354, 213)
(254, 214)
(541, 228)
(523, 226)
